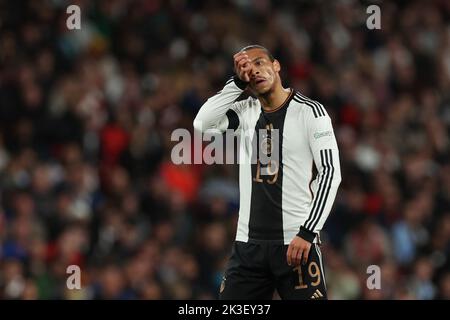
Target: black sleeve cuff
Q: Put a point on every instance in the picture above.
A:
(233, 119)
(306, 234)
(241, 84)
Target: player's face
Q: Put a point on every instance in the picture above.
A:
(263, 73)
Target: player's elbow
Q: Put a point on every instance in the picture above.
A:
(198, 125)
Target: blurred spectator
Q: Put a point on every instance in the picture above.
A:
(422, 284)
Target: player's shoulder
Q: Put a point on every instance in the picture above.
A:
(308, 105)
(251, 101)
(247, 109)
(248, 104)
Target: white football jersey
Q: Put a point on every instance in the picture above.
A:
(281, 198)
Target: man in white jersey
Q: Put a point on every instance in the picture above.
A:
(283, 204)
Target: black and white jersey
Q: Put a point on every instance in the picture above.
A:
(287, 198)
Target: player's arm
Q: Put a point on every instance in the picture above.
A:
(325, 151)
(221, 112)
(322, 142)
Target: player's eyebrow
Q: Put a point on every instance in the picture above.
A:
(258, 58)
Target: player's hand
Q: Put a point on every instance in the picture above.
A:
(298, 251)
(242, 66)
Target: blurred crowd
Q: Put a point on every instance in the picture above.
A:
(86, 116)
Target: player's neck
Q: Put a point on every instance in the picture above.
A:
(274, 99)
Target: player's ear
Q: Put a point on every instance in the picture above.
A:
(276, 65)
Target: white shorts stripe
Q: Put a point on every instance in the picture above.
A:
(321, 264)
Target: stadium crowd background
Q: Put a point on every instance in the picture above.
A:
(86, 117)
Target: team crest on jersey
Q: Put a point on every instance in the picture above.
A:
(266, 146)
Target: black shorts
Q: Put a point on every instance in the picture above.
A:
(256, 270)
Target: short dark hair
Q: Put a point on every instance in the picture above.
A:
(257, 46)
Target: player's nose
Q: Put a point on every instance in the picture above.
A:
(254, 72)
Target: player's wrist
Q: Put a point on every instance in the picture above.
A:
(240, 83)
(306, 234)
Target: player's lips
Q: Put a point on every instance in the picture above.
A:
(259, 81)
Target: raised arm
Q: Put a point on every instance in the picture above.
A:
(221, 112)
